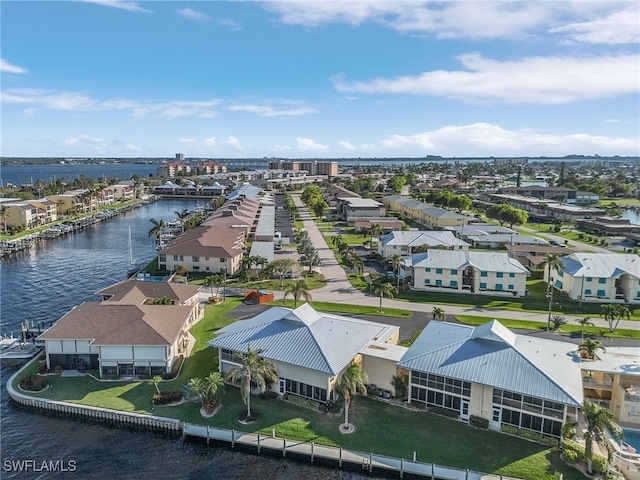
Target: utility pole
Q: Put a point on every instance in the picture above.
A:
(550, 295)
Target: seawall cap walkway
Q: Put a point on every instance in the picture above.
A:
(368, 461)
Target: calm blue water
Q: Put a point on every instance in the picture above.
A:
(28, 174)
(632, 437)
(44, 284)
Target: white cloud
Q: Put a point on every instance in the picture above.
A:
(82, 139)
(538, 80)
(129, 6)
(133, 148)
(308, 145)
(10, 68)
(484, 139)
(270, 111)
(53, 100)
(233, 142)
(187, 141)
(30, 112)
(210, 142)
(469, 19)
(347, 146)
(616, 28)
(191, 14)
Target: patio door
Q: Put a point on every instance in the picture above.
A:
(496, 418)
(464, 409)
(281, 386)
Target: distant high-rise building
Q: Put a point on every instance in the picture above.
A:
(180, 157)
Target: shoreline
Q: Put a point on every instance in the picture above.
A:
(253, 443)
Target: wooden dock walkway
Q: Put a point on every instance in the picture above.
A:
(336, 456)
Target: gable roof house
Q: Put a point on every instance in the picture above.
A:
(430, 216)
(456, 271)
(125, 334)
(490, 372)
(310, 349)
(598, 277)
(404, 242)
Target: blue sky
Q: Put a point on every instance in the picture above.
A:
(109, 78)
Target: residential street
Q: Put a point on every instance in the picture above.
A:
(340, 290)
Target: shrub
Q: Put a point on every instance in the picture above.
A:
(303, 402)
(57, 369)
(333, 406)
(570, 456)
(169, 376)
(269, 395)
(479, 422)
(42, 367)
(529, 435)
(164, 398)
(33, 383)
(444, 412)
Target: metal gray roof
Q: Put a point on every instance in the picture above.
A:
(417, 238)
(492, 355)
(303, 337)
(602, 265)
(457, 259)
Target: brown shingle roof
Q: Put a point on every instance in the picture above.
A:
(109, 324)
(208, 241)
(135, 292)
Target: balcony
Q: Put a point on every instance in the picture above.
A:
(597, 383)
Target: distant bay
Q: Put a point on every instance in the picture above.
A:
(27, 174)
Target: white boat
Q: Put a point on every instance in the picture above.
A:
(134, 266)
(14, 349)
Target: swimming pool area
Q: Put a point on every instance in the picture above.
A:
(632, 438)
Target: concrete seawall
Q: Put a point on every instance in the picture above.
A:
(307, 452)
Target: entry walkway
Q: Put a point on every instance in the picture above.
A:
(340, 290)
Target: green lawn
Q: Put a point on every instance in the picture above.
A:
(380, 427)
(353, 309)
(313, 281)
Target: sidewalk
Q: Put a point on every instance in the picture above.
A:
(340, 290)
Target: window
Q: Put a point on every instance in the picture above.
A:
(176, 258)
(223, 260)
(587, 291)
(589, 279)
(499, 274)
(454, 283)
(454, 272)
(601, 293)
(427, 281)
(438, 283)
(602, 280)
(483, 286)
(163, 258)
(438, 271)
(512, 275)
(498, 286)
(427, 269)
(483, 274)
(560, 273)
(511, 287)
(195, 259)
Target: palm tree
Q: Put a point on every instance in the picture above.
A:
(438, 313)
(156, 230)
(214, 280)
(584, 322)
(208, 390)
(558, 321)
(614, 312)
(385, 290)
(396, 261)
(182, 216)
(281, 267)
(4, 212)
(588, 348)
(375, 230)
(597, 421)
(551, 261)
(253, 368)
(155, 381)
(352, 381)
(298, 290)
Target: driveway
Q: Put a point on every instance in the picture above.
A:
(340, 290)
